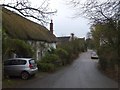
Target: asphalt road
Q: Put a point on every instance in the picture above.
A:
(82, 73)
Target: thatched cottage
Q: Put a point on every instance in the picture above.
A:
(35, 34)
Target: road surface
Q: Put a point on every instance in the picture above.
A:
(82, 73)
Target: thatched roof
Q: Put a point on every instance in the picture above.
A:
(19, 27)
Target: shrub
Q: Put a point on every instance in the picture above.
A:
(20, 47)
(108, 57)
(50, 58)
(73, 50)
(63, 55)
(46, 67)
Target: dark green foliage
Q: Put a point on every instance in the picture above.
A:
(20, 47)
(108, 57)
(50, 58)
(46, 67)
(69, 49)
(106, 40)
(63, 55)
(73, 48)
(89, 43)
(48, 63)
(51, 51)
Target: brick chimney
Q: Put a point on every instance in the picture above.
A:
(51, 26)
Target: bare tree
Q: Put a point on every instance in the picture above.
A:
(24, 7)
(97, 11)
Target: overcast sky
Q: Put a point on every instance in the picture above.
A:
(63, 22)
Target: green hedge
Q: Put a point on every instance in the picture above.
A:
(50, 58)
(63, 55)
(46, 67)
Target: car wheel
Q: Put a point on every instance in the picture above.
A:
(25, 75)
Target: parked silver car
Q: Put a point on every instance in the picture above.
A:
(24, 67)
(94, 55)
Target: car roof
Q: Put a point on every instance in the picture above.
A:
(20, 58)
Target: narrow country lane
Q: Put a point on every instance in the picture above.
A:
(82, 73)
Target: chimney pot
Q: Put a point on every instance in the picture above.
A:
(72, 36)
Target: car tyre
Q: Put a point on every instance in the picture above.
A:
(25, 75)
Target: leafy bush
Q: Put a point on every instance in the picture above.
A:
(46, 67)
(63, 55)
(20, 47)
(108, 57)
(73, 48)
(50, 58)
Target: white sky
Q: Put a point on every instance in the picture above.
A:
(63, 22)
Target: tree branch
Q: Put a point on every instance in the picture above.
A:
(25, 9)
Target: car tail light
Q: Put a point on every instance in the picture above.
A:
(31, 66)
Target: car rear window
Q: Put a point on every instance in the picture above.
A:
(32, 61)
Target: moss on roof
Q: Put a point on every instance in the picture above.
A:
(19, 27)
